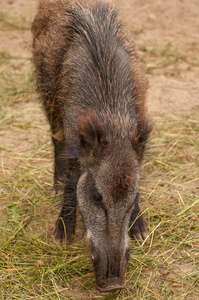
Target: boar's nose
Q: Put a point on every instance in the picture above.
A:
(111, 287)
(109, 266)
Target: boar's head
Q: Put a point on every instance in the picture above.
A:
(106, 194)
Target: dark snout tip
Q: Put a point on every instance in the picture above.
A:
(110, 288)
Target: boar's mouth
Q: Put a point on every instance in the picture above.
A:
(111, 287)
(109, 266)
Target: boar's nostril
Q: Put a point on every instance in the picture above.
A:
(111, 287)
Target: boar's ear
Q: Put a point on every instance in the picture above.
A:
(91, 133)
(141, 136)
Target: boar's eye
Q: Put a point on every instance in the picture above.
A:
(97, 199)
(94, 195)
(97, 196)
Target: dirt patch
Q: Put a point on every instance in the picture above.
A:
(169, 95)
(166, 33)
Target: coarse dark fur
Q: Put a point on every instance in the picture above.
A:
(93, 88)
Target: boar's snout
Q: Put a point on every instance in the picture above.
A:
(109, 266)
(111, 286)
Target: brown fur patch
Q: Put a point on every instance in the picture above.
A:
(119, 187)
(59, 135)
(89, 123)
(140, 138)
(91, 132)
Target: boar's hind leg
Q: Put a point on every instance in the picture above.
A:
(138, 226)
(65, 226)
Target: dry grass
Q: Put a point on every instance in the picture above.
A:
(32, 265)
(8, 22)
(168, 58)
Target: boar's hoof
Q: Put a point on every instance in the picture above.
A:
(63, 235)
(60, 236)
(53, 193)
(110, 288)
(57, 190)
(139, 230)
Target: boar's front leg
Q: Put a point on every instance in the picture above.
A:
(137, 225)
(59, 163)
(59, 148)
(65, 225)
(66, 176)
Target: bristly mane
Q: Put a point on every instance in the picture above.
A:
(107, 71)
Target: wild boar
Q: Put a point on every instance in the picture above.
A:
(93, 91)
